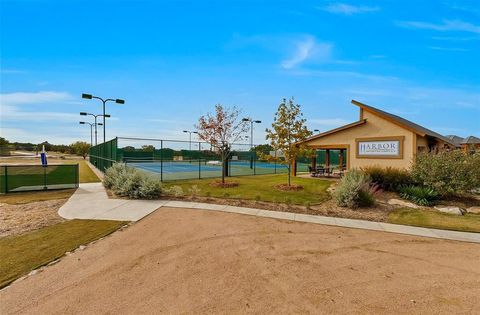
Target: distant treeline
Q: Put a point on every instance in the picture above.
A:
(6, 147)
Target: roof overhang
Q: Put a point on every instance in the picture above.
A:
(386, 117)
(326, 133)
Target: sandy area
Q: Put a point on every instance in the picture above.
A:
(191, 261)
(18, 219)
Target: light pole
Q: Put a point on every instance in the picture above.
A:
(316, 130)
(251, 128)
(190, 137)
(252, 158)
(95, 116)
(117, 100)
(91, 129)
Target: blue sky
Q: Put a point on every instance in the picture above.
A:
(174, 60)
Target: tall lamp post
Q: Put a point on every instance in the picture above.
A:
(316, 130)
(104, 101)
(251, 128)
(252, 158)
(190, 137)
(91, 129)
(95, 116)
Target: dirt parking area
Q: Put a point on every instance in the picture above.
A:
(192, 261)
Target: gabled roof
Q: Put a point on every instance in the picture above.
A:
(407, 124)
(470, 140)
(354, 124)
(455, 139)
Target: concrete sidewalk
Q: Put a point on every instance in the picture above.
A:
(90, 201)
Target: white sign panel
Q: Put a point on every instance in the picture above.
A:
(380, 148)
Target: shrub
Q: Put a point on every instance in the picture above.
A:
(354, 190)
(448, 173)
(422, 196)
(128, 182)
(389, 178)
(194, 190)
(258, 198)
(176, 191)
(366, 198)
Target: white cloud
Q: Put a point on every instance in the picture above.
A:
(343, 74)
(456, 39)
(13, 113)
(12, 71)
(10, 104)
(348, 9)
(447, 48)
(306, 49)
(445, 26)
(20, 98)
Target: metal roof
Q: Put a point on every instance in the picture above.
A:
(471, 140)
(455, 139)
(422, 131)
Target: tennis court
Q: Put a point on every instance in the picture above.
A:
(174, 170)
(174, 159)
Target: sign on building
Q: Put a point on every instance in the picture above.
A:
(379, 148)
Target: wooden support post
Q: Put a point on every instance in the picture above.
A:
(341, 159)
(327, 160)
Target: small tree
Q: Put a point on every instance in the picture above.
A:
(80, 148)
(220, 130)
(128, 148)
(3, 141)
(148, 148)
(288, 128)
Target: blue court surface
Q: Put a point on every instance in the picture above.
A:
(176, 170)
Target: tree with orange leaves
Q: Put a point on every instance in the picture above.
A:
(221, 130)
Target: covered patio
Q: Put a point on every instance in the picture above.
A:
(329, 161)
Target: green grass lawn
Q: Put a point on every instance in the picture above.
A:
(23, 253)
(262, 187)
(86, 173)
(435, 219)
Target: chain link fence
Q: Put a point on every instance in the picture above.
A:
(175, 159)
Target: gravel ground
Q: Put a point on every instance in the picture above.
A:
(18, 219)
(191, 261)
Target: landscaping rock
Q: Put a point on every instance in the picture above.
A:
(331, 189)
(451, 210)
(402, 203)
(474, 210)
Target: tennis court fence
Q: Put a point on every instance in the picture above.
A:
(14, 178)
(176, 159)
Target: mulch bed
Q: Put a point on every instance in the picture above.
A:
(223, 185)
(285, 187)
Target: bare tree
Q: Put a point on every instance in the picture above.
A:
(221, 130)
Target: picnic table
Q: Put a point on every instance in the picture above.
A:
(326, 171)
